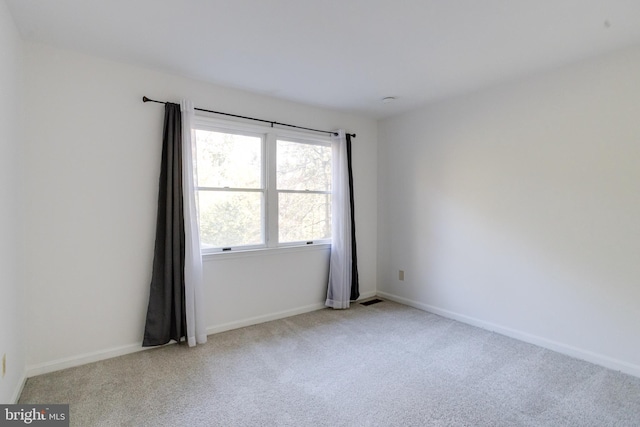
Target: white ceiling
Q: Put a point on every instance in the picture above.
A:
(343, 54)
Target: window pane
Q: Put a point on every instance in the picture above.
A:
(304, 217)
(303, 166)
(228, 160)
(230, 218)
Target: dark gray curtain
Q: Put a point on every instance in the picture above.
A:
(355, 284)
(166, 319)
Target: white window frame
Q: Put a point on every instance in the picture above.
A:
(270, 191)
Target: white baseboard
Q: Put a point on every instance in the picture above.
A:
(82, 359)
(262, 319)
(274, 316)
(19, 388)
(367, 295)
(578, 353)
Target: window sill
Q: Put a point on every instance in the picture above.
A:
(260, 252)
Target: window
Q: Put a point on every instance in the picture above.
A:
(230, 188)
(303, 176)
(260, 187)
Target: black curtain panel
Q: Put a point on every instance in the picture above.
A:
(355, 285)
(166, 319)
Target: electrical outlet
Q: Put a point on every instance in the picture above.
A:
(401, 275)
(4, 364)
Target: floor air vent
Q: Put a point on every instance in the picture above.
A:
(371, 301)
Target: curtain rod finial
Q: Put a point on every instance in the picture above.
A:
(145, 99)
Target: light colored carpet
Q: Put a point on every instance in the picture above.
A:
(381, 365)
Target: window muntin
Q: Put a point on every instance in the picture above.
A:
(261, 187)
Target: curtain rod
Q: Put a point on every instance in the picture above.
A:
(353, 135)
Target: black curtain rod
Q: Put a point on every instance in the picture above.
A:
(353, 135)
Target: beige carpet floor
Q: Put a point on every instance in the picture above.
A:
(381, 365)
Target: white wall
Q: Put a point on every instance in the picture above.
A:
(517, 208)
(92, 162)
(12, 341)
